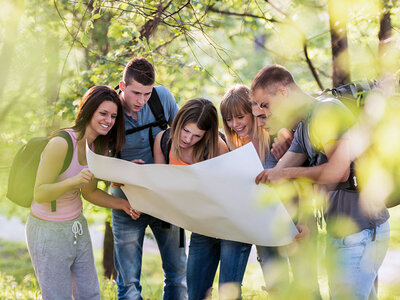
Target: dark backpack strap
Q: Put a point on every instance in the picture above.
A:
(181, 237)
(317, 157)
(351, 183)
(158, 112)
(223, 137)
(67, 161)
(166, 144)
(166, 225)
(157, 109)
(65, 135)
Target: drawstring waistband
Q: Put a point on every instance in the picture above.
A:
(77, 229)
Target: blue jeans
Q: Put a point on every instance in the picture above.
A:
(204, 255)
(354, 262)
(128, 248)
(275, 267)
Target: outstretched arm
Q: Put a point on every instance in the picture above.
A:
(98, 197)
(335, 170)
(290, 159)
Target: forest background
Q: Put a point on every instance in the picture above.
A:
(51, 52)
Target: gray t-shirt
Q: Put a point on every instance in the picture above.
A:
(326, 122)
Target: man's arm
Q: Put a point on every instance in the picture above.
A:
(336, 170)
(289, 159)
(329, 124)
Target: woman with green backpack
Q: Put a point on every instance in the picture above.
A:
(58, 237)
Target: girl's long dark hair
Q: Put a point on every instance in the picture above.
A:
(203, 113)
(114, 140)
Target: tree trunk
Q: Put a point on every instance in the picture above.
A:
(8, 50)
(340, 54)
(108, 253)
(384, 35)
(52, 77)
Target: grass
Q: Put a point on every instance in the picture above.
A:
(17, 279)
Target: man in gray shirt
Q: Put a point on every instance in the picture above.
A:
(358, 231)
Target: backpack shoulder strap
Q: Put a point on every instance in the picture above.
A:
(158, 112)
(317, 157)
(223, 137)
(157, 109)
(166, 144)
(67, 161)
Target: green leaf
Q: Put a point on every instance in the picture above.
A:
(96, 16)
(84, 40)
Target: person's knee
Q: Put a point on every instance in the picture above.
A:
(129, 290)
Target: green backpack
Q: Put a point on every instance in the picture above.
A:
(22, 177)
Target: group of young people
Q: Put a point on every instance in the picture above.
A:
(59, 241)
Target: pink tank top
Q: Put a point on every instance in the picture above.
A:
(69, 205)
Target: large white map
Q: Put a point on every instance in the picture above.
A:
(216, 197)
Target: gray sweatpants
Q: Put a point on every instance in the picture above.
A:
(62, 257)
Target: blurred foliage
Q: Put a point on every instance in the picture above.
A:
(56, 50)
(51, 52)
(15, 284)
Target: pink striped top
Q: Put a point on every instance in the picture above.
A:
(69, 205)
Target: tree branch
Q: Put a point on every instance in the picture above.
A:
(177, 11)
(168, 42)
(310, 65)
(230, 13)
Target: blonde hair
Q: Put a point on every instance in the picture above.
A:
(203, 113)
(236, 102)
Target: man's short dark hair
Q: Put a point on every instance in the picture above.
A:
(269, 76)
(140, 70)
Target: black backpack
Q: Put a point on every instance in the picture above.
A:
(353, 94)
(22, 177)
(316, 157)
